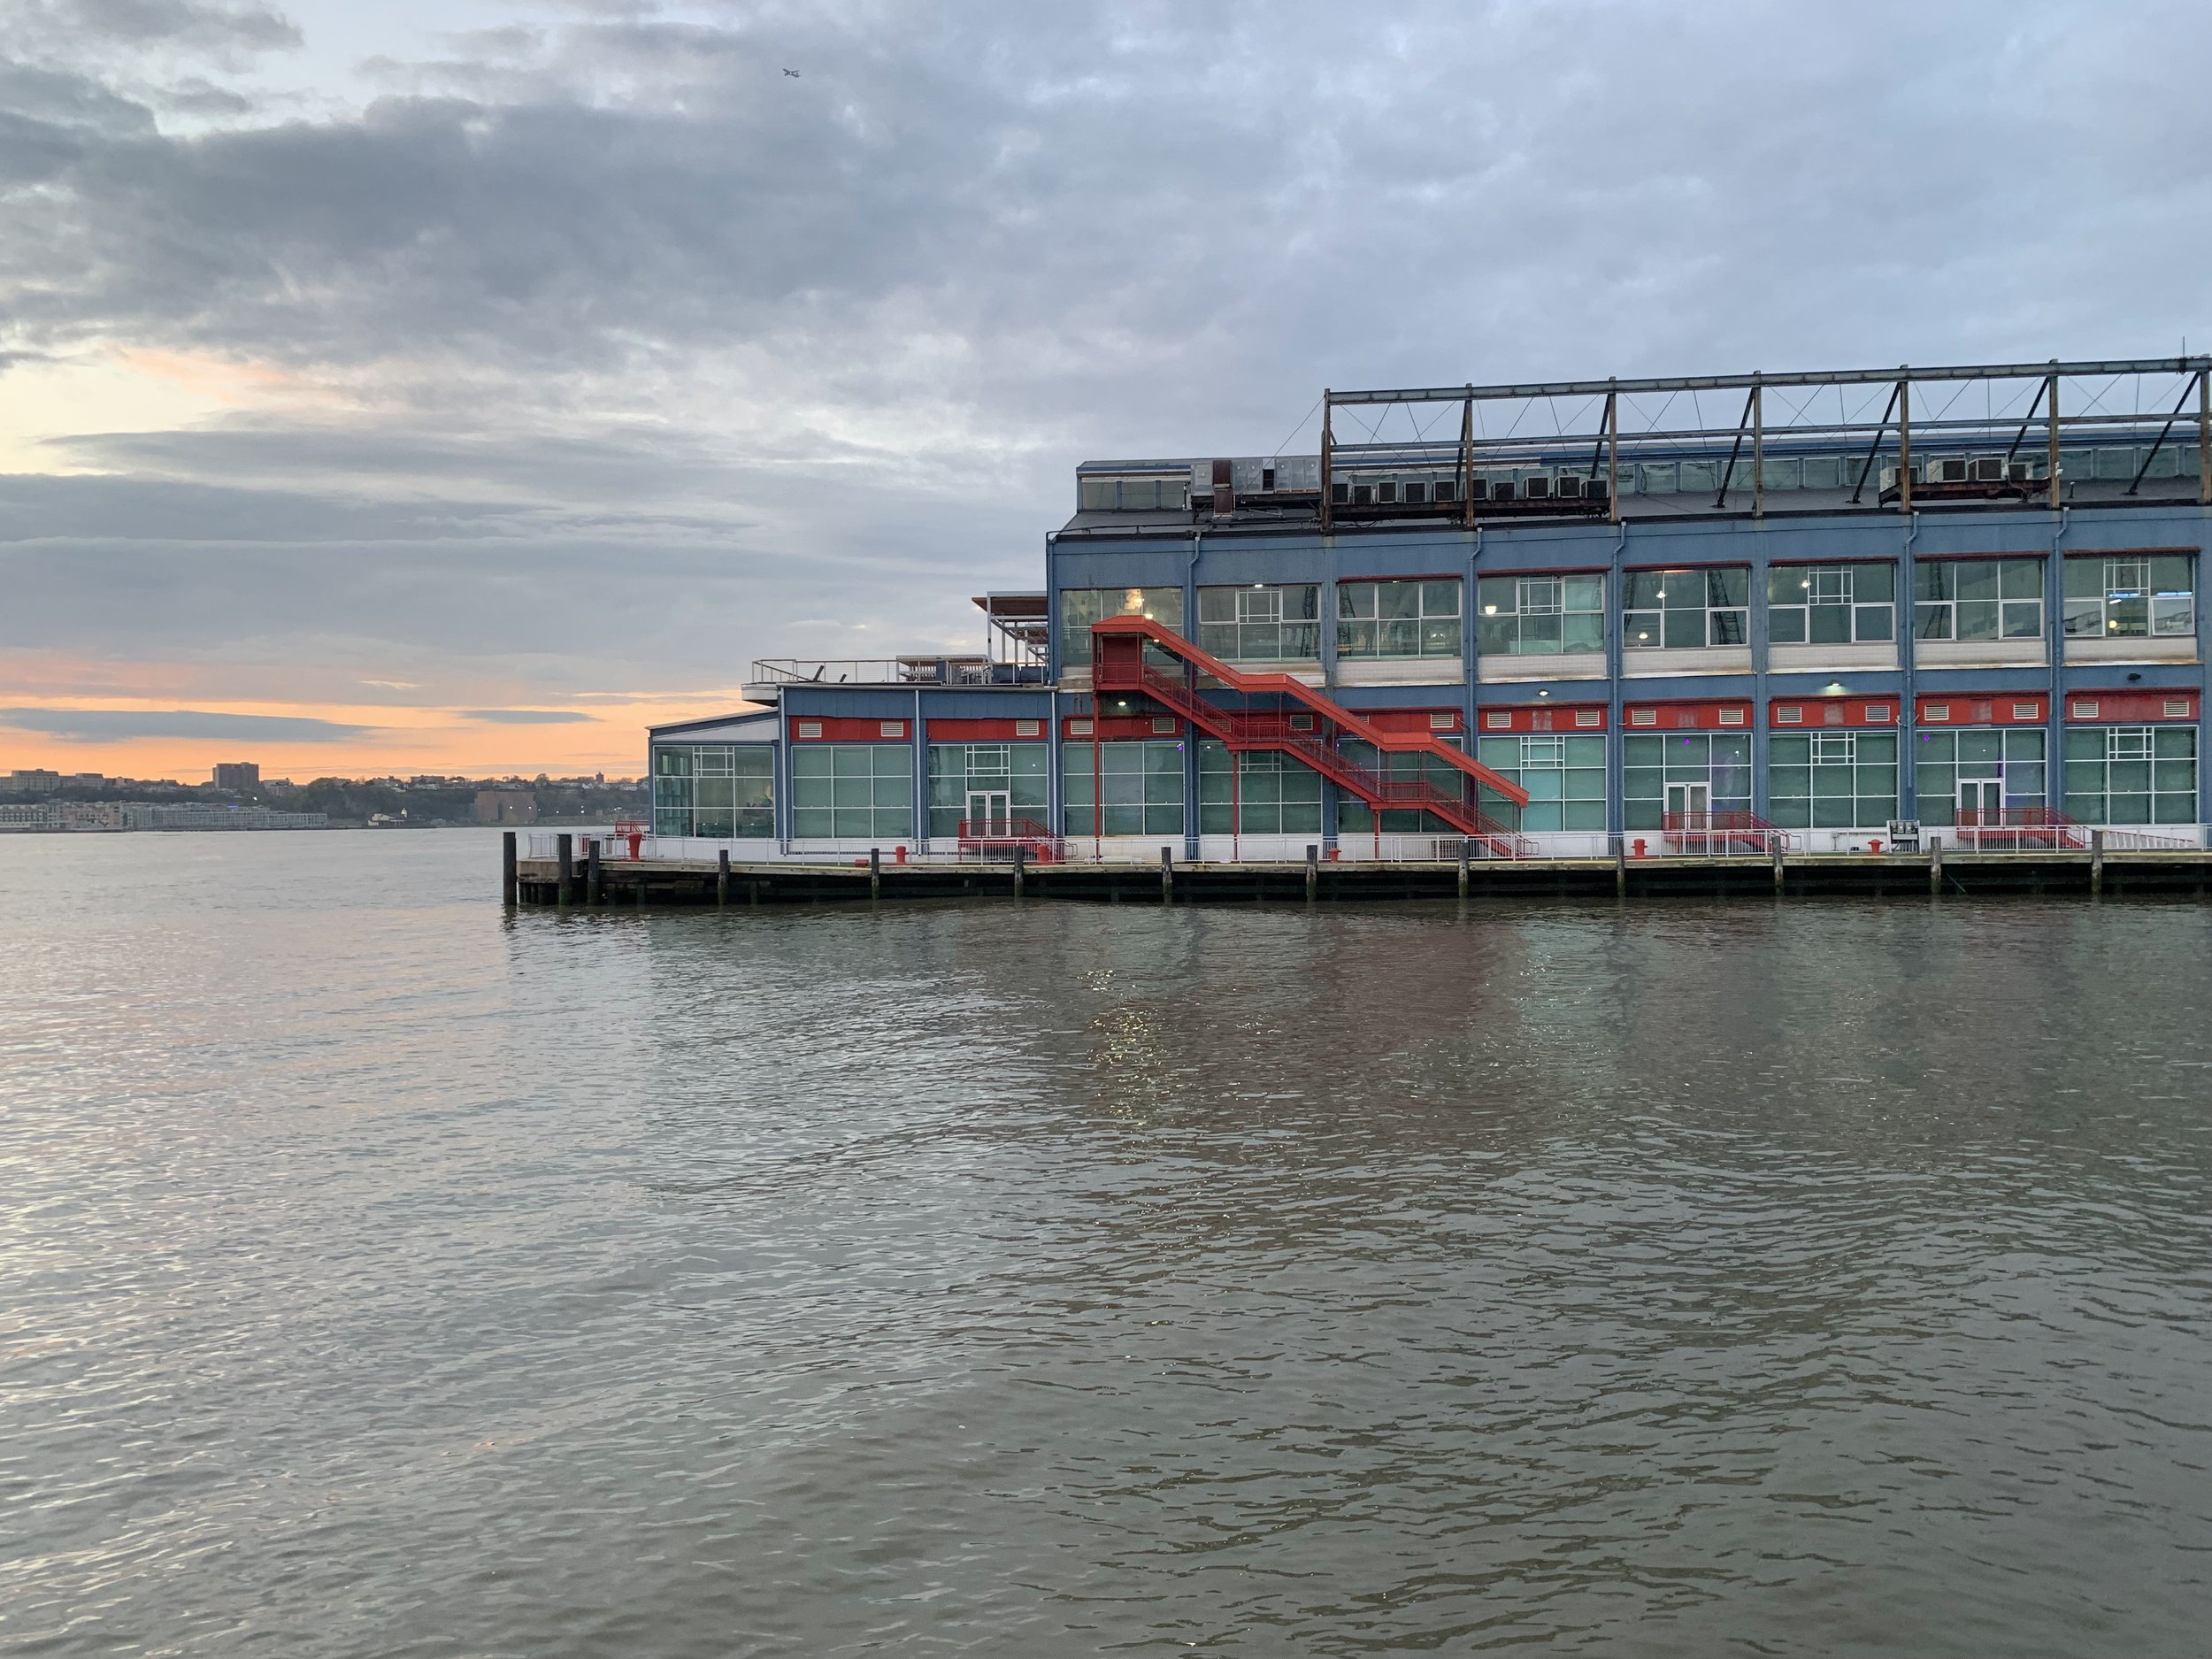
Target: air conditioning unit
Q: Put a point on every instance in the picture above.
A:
(1444, 490)
(2019, 472)
(1341, 494)
(1502, 490)
(1362, 495)
(1477, 489)
(1946, 472)
(1570, 486)
(1537, 488)
(1989, 469)
(1416, 493)
(1387, 491)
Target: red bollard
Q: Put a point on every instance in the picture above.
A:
(636, 839)
(900, 853)
(1874, 846)
(1636, 847)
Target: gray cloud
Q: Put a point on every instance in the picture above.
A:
(528, 717)
(109, 725)
(641, 354)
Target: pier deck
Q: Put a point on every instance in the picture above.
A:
(684, 882)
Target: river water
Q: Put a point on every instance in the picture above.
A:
(385, 1275)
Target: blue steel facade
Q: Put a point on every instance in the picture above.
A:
(2095, 695)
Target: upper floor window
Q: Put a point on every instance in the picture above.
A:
(1107, 493)
(1978, 599)
(1533, 616)
(1831, 604)
(1079, 607)
(2136, 596)
(1260, 624)
(1686, 610)
(1398, 619)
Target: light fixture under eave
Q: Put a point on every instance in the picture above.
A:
(1833, 688)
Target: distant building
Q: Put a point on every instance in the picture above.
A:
(34, 782)
(238, 776)
(506, 806)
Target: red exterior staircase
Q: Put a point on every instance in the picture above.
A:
(1117, 665)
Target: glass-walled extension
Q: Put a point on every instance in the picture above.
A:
(717, 791)
(1139, 781)
(852, 791)
(996, 784)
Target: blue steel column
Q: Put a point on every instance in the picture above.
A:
(2204, 671)
(1328, 573)
(779, 779)
(1616, 740)
(1908, 705)
(917, 770)
(2054, 649)
(1758, 642)
(1190, 736)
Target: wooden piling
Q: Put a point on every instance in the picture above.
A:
(1464, 857)
(1021, 865)
(508, 885)
(2096, 863)
(565, 850)
(1620, 868)
(1775, 846)
(722, 876)
(1935, 866)
(1167, 876)
(875, 872)
(1313, 872)
(594, 887)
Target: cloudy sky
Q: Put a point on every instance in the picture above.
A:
(459, 385)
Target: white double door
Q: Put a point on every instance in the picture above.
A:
(989, 812)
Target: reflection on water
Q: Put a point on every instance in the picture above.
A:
(386, 1275)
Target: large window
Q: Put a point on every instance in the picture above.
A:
(1398, 619)
(852, 791)
(1079, 607)
(1565, 778)
(1260, 624)
(1105, 494)
(1831, 779)
(1684, 772)
(1354, 815)
(1143, 791)
(2131, 774)
(996, 781)
(1538, 615)
(2141, 597)
(1275, 795)
(1984, 769)
(1831, 604)
(715, 791)
(1978, 599)
(1686, 610)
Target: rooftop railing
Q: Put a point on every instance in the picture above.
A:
(893, 671)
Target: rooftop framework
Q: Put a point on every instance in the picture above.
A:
(2022, 408)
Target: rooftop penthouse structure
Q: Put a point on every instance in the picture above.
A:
(1822, 612)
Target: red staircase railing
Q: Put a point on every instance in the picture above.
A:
(2018, 829)
(1002, 835)
(1117, 665)
(1713, 833)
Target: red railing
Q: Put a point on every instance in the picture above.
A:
(999, 837)
(1711, 833)
(1119, 664)
(2017, 829)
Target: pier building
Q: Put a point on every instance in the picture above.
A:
(1823, 612)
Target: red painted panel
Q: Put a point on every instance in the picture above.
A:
(2130, 708)
(1409, 719)
(1982, 708)
(1729, 715)
(1542, 717)
(1792, 714)
(824, 728)
(1113, 727)
(986, 730)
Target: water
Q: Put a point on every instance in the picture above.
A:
(385, 1275)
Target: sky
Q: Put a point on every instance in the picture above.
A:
(460, 386)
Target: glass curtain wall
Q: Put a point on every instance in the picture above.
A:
(1261, 624)
(1978, 599)
(1565, 778)
(1539, 615)
(2140, 596)
(2130, 774)
(2000, 767)
(1355, 817)
(852, 791)
(722, 792)
(1663, 774)
(1679, 610)
(1398, 619)
(1831, 779)
(1274, 794)
(957, 770)
(1831, 604)
(1079, 607)
(1143, 787)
